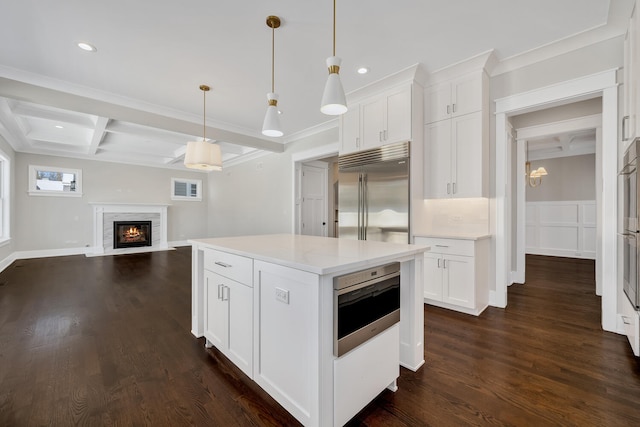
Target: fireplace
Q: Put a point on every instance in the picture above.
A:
(131, 234)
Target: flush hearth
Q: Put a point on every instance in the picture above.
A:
(131, 234)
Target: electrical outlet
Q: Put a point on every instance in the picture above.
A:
(282, 295)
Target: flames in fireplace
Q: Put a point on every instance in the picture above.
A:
(127, 234)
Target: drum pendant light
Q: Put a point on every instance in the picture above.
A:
(271, 125)
(334, 102)
(203, 155)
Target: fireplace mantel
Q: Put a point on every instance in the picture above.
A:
(105, 213)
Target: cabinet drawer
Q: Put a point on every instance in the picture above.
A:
(631, 322)
(232, 266)
(447, 246)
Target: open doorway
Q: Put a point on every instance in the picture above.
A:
(604, 85)
(556, 214)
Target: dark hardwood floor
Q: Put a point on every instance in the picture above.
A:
(106, 341)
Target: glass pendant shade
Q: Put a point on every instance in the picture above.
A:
(203, 155)
(271, 125)
(334, 101)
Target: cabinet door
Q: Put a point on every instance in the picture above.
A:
(240, 349)
(634, 67)
(468, 169)
(216, 313)
(467, 95)
(398, 123)
(437, 162)
(458, 282)
(433, 276)
(372, 119)
(350, 130)
(437, 102)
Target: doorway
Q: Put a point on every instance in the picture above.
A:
(603, 85)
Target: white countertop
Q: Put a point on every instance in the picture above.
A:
(319, 255)
(460, 236)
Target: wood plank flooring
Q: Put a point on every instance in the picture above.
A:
(105, 341)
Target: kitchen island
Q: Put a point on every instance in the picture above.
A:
(267, 303)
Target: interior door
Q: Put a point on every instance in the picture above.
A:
(314, 201)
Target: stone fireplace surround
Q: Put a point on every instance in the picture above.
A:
(104, 214)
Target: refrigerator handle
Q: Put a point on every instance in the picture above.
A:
(365, 211)
(359, 206)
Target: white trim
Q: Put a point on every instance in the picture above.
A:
(5, 192)
(600, 84)
(45, 253)
(7, 262)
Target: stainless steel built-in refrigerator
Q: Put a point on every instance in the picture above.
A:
(373, 194)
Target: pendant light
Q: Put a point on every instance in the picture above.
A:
(271, 125)
(334, 102)
(203, 155)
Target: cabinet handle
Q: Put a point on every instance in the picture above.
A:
(448, 188)
(454, 108)
(438, 262)
(219, 293)
(454, 188)
(448, 110)
(444, 263)
(625, 320)
(223, 298)
(442, 246)
(625, 120)
(358, 142)
(223, 264)
(380, 136)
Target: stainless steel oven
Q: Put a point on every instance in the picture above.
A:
(630, 230)
(365, 303)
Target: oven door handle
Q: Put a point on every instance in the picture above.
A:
(364, 284)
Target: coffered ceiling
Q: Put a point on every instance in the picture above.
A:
(136, 99)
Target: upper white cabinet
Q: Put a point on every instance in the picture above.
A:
(387, 119)
(379, 120)
(456, 155)
(631, 88)
(454, 98)
(350, 140)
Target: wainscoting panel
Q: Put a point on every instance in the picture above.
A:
(562, 228)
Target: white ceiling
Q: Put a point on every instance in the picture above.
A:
(136, 99)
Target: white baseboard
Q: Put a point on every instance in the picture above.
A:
(180, 243)
(51, 253)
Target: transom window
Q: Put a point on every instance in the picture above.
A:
(54, 181)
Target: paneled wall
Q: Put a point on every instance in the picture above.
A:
(562, 228)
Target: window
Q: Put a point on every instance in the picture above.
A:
(186, 189)
(5, 192)
(54, 181)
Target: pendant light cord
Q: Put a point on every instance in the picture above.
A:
(204, 115)
(273, 56)
(334, 27)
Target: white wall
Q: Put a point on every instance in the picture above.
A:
(570, 178)
(49, 223)
(255, 197)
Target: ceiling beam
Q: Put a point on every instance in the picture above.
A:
(99, 131)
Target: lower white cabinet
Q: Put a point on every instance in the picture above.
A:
(631, 321)
(456, 273)
(228, 319)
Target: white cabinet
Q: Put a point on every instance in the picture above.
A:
(386, 119)
(454, 98)
(631, 322)
(454, 164)
(350, 130)
(456, 155)
(456, 273)
(228, 314)
(376, 121)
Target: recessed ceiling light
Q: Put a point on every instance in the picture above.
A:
(363, 70)
(59, 127)
(86, 46)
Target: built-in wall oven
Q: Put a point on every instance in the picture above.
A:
(365, 303)
(630, 232)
